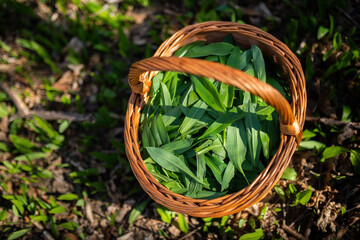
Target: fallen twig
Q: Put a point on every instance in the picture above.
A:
(293, 232)
(330, 121)
(24, 112)
(190, 233)
(45, 233)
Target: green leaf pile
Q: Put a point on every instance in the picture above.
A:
(202, 138)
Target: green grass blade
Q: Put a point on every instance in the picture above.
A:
(184, 227)
(135, 212)
(18, 234)
(45, 126)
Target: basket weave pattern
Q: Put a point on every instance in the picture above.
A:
(291, 116)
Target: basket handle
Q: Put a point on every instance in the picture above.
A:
(289, 125)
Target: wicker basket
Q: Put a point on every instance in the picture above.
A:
(291, 117)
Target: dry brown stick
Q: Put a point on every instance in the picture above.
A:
(20, 105)
(54, 115)
(45, 233)
(190, 233)
(24, 112)
(329, 121)
(7, 68)
(293, 232)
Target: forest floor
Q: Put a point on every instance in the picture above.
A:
(64, 93)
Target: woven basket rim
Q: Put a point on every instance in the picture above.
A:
(253, 193)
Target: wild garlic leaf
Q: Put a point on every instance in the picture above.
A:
(147, 138)
(172, 86)
(216, 166)
(218, 49)
(165, 100)
(227, 95)
(155, 132)
(206, 119)
(171, 114)
(204, 194)
(218, 148)
(215, 144)
(245, 59)
(208, 93)
(174, 184)
(184, 100)
(162, 130)
(179, 146)
(168, 76)
(184, 49)
(236, 145)
(193, 189)
(224, 121)
(252, 129)
(228, 175)
(170, 162)
(212, 58)
(259, 63)
(201, 166)
(192, 116)
(161, 178)
(178, 190)
(223, 59)
(234, 58)
(264, 110)
(265, 139)
(155, 85)
(193, 98)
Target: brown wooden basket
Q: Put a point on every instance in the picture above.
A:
(291, 117)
